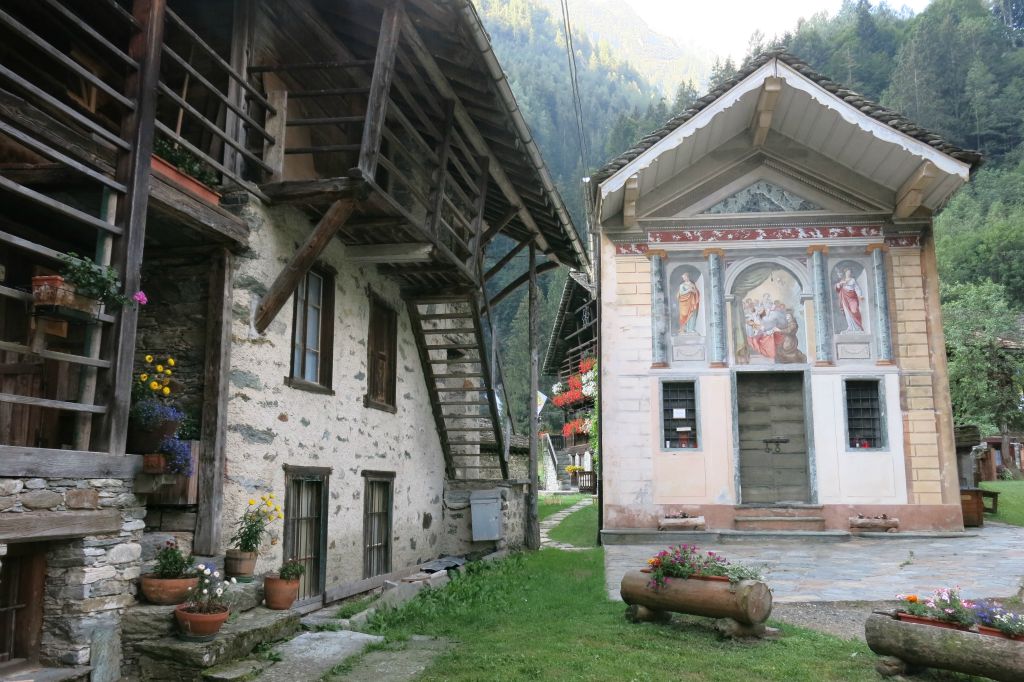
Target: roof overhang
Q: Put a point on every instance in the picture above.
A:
(801, 110)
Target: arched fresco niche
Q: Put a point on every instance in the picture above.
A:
(849, 283)
(768, 318)
(686, 301)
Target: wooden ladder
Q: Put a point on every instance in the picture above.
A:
(460, 381)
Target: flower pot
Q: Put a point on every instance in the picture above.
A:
(925, 620)
(154, 463)
(199, 627)
(239, 564)
(169, 172)
(166, 590)
(142, 440)
(993, 632)
(280, 594)
(53, 291)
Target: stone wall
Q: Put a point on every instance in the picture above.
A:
(89, 580)
(271, 424)
(458, 517)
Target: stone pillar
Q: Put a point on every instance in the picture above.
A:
(716, 309)
(659, 310)
(823, 350)
(883, 330)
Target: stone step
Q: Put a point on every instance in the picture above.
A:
(236, 671)
(782, 510)
(172, 660)
(311, 654)
(33, 672)
(779, 523)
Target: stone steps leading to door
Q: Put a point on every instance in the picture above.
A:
(779, 522)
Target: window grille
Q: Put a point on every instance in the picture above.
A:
(864, 414)
(679, 414)
(377, 524)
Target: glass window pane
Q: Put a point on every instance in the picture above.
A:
(313, 328)
(312, 366)
(300, 324)
(315, 286)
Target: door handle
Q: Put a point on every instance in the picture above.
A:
(777, 442)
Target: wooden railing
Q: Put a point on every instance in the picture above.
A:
(588, 482)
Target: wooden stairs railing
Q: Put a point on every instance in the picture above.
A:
(464, 385)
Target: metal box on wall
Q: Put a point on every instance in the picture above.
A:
(486, 512)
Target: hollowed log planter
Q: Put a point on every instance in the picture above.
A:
(878, 525)
(926, 646)
(748, 602)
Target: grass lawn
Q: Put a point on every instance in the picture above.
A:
(545, 616)
(578, 529)
(551, 504)
(1011, 501)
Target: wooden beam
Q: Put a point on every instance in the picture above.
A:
(213, 460)
(54, 525)
(522, 279)
(473, 135)
(766, 103)
(273, 154)
(495, 228)
(52, 404)
(241, 36)
(911, 195)
(629, 199)
(54, 463)
(324, 190)
(441, 175)
(380, 86)
(133, 169)
(176, 205)
(512, 253)
(532, 520)
(288, 279)
(412, 252)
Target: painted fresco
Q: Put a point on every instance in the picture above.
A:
(763, 197)
(686, 301)
(849, 303)
(768, 317)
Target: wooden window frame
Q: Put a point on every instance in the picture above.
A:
(389, 404)
(883, 430)
(696, 446)
(322, 474)
(25, 564)
(296, 375)
(370, 477)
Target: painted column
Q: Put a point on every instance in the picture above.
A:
(883, 333)
(822, 300)
(659, 310)
(716, 316)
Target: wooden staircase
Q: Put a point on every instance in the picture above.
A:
(464, 385)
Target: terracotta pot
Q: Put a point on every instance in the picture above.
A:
(52, 290)
(184, 181)
(199, 626)
(924, 620)
(993, 632)
(280, 594)
(239, 564)
(166, 590)
(143, 441)
(154, 464)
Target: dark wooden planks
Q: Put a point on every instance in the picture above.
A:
(51, 525)
(177, 205)
(53, 463)
(380, 87)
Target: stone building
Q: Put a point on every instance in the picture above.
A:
(343, 179)
(772, 353)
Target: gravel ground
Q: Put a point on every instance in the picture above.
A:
(843, 619)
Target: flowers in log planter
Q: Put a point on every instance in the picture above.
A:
(687, 561)
(945, 605)
(994, 619)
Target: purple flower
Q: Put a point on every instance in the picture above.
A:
(140, 297)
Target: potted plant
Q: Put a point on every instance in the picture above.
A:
(204, 612)
(944, 609)
(281, 590)
(176, 164)
(82, 285)
(172, 577)
(153, 416)
(993, 619)
(240, 560)
(687, 561)
(574, 473)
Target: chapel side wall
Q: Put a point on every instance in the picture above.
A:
(271, 424)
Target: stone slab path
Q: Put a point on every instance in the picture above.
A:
(987, 563)
(397, 662)
(311, 654)
(550, 522)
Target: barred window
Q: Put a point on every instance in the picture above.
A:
(864, 414)
(679, 414)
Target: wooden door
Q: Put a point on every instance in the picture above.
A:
(773, 440)
(305, 531)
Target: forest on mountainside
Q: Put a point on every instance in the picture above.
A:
(971, 91)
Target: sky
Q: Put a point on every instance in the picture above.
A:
(724, 26)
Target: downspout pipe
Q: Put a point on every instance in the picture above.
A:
(483, 43)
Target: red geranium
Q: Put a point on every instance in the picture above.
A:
(587, 364)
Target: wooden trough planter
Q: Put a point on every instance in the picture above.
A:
(907, 646)
(742, 608)
(888, 525)
(688, 523)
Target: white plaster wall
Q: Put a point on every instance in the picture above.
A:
(856, 476)
(271, 424)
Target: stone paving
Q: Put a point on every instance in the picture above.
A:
(550, 522)
(988, 562)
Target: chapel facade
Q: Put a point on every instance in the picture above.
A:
(772, 355)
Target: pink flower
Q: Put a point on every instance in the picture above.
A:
(140, 297)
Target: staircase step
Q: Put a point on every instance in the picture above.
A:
(312, 654)
(456, 361)
(446, 316)
(445, 403)
(170, 659)
(453, 330)
(451, 346)
(466, 375)
(779, 523)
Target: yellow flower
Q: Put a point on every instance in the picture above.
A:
(170, 361)
(280, 515)
(160, 368)
(154, 385)
(143, 378)
(167, 372)
(167, 391)
(149, 358)
(270, 496)
(277, 507)
(263, 497)
(251, 502)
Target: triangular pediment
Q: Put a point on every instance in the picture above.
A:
(763, 196)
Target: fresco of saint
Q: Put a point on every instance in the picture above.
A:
(689, 305)
(850, 299)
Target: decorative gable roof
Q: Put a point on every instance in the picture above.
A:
(874, 110)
